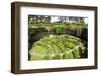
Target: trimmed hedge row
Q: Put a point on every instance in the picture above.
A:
(58, 47)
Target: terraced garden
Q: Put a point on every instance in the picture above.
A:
(53, 37)
(58, 47)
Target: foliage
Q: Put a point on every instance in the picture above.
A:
(58, 47)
